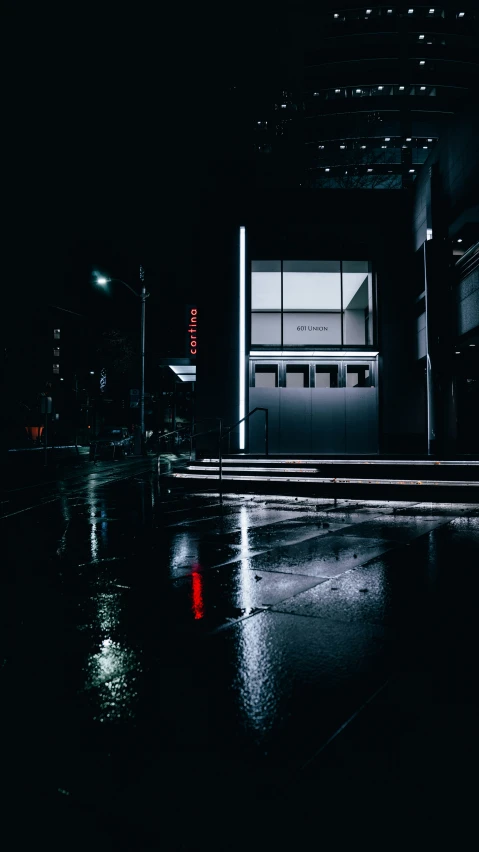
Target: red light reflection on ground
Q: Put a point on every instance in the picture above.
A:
(198, 605)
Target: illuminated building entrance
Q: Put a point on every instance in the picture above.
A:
(312, 361)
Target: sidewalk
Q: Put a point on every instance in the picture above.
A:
(30, 462)
(24, 468)
(270, 673)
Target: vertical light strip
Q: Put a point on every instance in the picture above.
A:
(429, 386)
(242, 331)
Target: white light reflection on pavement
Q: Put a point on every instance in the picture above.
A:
(246, 601)
(62, 544)
(183, 553)
(111, 673)
(255, 678)
(93, 542)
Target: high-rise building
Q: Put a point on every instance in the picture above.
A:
(367, 92)
(352, 317)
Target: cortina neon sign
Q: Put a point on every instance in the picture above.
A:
(192, 329)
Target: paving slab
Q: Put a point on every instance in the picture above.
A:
(164, 676)
(323, 556)
(402, 528)
(378, 593)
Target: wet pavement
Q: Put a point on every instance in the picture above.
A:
(179, 674)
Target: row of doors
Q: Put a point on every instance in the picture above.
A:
(314, 407)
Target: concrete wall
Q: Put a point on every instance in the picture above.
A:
(421, 336)
(310, 225)
(455, 159)
(217, 387)
(467, 303)
(354, 327)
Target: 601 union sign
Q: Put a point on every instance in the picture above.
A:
(312, 328)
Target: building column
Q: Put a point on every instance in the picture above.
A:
(441, 400)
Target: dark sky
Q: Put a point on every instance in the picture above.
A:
(114, 114)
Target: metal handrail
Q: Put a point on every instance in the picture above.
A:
(258, 408)
(228, 432)
(168, 435)
(187, 429)
(222, 433)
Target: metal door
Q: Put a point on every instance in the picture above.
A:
(361, 416)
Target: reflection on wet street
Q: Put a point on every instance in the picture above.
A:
(169, 662)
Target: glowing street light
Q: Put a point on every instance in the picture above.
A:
(143, 295)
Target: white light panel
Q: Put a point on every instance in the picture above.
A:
(242, 333)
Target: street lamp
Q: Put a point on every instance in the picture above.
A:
(103, 281)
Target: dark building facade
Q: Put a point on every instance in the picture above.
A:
(350, 316)
(446, 258)
(305, 322)
(367, 92)
(63, 366)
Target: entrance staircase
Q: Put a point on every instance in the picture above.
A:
(361, 478)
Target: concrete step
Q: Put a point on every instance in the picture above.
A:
(422, 480)
(417, 470)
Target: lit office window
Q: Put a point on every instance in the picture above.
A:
(357, 302)
(265, 328)
(56, 368)
(312, 328)
(358, 376)
(326, 376)
(56, 334)
(56, 353)
(297, 375)
(266, 285)
(322, 303)
(266, 376)
(311, 285)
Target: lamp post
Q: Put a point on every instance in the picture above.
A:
(143, 295)
(142, 392)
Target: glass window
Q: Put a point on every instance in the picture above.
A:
(265, 328)
(56, 353)
(266, 375)
(312, 329)
(299, 303)
(326, 376)
(56, 334)
(266, 285)
(56, 368)
(297, 375)
(357, 303)
(355, 326)
(311, 285)
(355, 275)
(358, 376)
